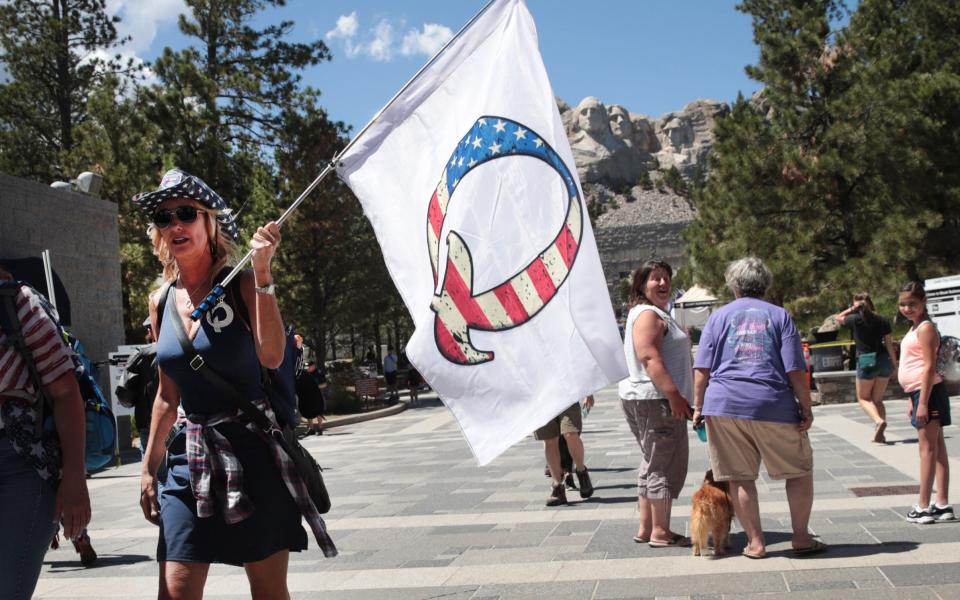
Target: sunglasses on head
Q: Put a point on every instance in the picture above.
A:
(164, 217)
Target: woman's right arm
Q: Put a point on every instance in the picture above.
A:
(648, 331)
(163, 416)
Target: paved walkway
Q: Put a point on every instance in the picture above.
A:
(414, 517)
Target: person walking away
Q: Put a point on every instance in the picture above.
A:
(390, 373)
(567, 424)
(310, 385)
(655, 401)
(414, 381)
(929, 408)
(751, 387)
(876, 359)
(231, 494)
(42, 478)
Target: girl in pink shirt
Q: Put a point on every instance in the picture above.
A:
(929, 404)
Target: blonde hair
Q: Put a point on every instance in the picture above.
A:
(222, 247)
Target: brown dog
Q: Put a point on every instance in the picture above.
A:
(711, 514)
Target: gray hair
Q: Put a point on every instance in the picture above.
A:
(748, 277)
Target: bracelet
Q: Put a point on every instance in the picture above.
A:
(267, 289)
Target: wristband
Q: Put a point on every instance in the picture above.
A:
(267, 289)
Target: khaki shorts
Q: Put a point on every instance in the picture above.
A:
(737, 446)
(569, 421)
(664, 447)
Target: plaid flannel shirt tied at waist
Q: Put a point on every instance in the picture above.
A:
(216, 475)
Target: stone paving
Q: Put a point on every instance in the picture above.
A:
(414, 517)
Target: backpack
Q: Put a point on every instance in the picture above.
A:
(136, 376)
(280, 384)
(101, 426)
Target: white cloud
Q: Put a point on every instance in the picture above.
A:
(346, 27)
(380, 48)
(140, 19)
(379, 43)
(427, 41)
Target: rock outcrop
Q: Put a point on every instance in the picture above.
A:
(612, 146)
(622, 159)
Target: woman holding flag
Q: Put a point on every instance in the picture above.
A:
(230, 494)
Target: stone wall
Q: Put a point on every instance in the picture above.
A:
(623, 249)
(82, 235)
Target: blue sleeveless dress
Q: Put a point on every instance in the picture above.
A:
(227, 345)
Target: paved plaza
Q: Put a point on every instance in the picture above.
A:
(414, 517)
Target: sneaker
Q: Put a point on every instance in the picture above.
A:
(923, 516)
(586, 487)
(568, 481)
(558, 496)
(941, 513)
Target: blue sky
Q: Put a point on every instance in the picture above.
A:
(651, 56)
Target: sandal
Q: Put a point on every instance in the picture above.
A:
(878, 437)
(677, 540)
(640, 540)
(815, 548)
(753, 555)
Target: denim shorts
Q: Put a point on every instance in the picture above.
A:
(938, 406)
(882, 368)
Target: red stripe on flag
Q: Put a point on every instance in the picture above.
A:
(511, 303)
(462, 297)
(435, 215)
(445, 341)
(541, 280)
(567, 245)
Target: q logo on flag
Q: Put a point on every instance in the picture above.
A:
(518, 299)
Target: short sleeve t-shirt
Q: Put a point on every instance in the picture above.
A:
(749, 346)
(867, 332)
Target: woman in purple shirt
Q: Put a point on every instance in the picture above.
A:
(750, 386)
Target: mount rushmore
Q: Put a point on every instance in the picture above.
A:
(623, 160)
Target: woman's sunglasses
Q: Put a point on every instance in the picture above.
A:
(164, 217)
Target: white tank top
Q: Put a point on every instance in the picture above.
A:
(675, 350)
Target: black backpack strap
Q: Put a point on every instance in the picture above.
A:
(223, 387)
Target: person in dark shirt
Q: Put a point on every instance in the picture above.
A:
(876, 359)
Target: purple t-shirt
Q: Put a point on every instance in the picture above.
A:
(749, 346)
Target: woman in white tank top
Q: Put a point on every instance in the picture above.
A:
(655, 400)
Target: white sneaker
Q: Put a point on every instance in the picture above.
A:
(941, 513)
(923, 516)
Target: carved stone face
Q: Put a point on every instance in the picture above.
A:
(592, 116)
(620, 123)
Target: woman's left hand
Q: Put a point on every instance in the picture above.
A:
(264, 243)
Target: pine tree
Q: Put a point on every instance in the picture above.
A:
(837, 174)
(54, 54)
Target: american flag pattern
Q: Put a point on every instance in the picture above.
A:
(518, 299)
(180, 184)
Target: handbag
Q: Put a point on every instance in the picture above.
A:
(866, 360)
(306, 466)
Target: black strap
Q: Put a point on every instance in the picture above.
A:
(223, 387)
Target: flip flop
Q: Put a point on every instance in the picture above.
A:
(753, 555)
(677, 541)
(815, 548)
(640, 540)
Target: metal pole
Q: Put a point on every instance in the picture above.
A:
(48, 274)
(218, 290)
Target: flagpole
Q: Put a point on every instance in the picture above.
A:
(218, 290)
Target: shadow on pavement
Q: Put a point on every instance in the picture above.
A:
(103, 560)
(612, 500)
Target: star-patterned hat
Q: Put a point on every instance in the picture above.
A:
(180, 184)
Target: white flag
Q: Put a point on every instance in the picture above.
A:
(469, 182)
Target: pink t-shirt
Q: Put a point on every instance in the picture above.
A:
(911, 361)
